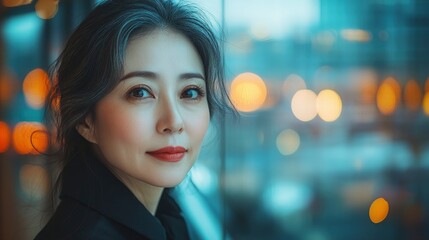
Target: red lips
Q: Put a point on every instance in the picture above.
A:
(169, 154)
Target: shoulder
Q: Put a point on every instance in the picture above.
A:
(72, 220)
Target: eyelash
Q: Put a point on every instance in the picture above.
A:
(200, 91)
(133, 90)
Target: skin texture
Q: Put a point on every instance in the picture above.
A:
(165, 106)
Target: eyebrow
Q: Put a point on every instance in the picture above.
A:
(152, 75)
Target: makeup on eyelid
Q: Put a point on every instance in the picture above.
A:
(131, 93)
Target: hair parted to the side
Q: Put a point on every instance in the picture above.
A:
(91, 63)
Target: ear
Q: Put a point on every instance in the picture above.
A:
(86, 130)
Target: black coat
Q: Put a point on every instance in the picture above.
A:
(96, 205)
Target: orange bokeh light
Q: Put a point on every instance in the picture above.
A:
(426, 104)
(15, 3)
(36, 86)
(30, 138)
(412, 95)
(388, 96)
(4, 137)
(7, 88)
(248, 92)
(378, 210)
(356, 35)
(46, 9)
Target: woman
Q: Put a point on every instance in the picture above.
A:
(138, 81)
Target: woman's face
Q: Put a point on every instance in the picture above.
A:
(150, 127)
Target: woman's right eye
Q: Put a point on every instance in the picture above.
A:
(139, 93)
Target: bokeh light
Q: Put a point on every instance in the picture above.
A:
(328, 105)
(358, 194)
(4, 137)
(395, 86)
(28, 134)
(34, 181)
(248, 92)
(388, 96)
(204, 179)
(378, 210)
(292, 84)
(21, 141)
(36, 86)
(46, 9)
(324, 40)
(304, 105)
(412, 95)
(356, 35)
(260, 32)
(288, 142)
(284, 198)
(7, 88)
(15, 3)
(426, 104)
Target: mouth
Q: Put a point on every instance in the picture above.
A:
(169, 154)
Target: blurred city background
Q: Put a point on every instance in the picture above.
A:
(334, 104)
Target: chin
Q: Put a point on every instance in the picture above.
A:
(167, 184)
(168, 181)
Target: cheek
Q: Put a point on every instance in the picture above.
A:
(197, 127)
(119, 124)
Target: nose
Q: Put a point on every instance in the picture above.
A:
(170, 120)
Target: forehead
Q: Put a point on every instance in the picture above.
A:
(160, 49)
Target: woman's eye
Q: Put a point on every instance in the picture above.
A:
(139, 93)
(193, 93)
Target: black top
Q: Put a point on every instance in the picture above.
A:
(96, 205)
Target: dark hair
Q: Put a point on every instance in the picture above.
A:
(91, 63)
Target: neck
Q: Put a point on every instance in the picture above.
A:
(147, 194)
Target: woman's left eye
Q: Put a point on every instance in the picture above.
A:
(194, 93)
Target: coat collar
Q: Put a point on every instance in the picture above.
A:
(88, 181)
